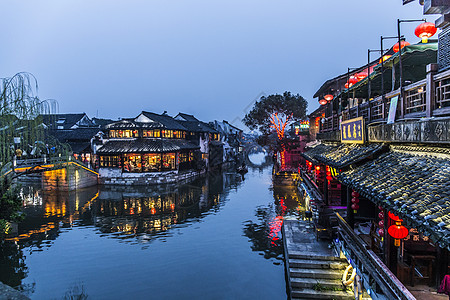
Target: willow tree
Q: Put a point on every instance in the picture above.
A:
(275, 113)
(20, 131)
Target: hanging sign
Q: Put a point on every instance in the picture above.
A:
(392, 110)
(352, 131)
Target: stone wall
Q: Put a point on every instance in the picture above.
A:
(68, 178)
(114, 176)
(430, 131)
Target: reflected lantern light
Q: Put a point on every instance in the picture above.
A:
(402, 45)
(425, 31)
(323, 101)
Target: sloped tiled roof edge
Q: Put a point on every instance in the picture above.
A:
(347, 154)
(312, 153)
(412, 186)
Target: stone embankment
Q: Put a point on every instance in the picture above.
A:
(312, 269)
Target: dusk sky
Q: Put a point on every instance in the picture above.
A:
(114, 59)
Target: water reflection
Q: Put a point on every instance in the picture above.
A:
(138, 214)
(265, 234)
(144, 213)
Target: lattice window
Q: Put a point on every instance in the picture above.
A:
(415, 100)
(443, 93)
(377, 110)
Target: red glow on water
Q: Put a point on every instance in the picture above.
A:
(277, 222)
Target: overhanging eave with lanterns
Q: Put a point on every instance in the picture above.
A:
(414, 187)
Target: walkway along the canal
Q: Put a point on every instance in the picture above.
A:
(312, 269)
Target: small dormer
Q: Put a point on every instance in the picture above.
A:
(143, 119)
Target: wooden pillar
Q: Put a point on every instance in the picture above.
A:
(325, 185)
(350, 214)
(343, 194)
(441, 265)
(430, 89)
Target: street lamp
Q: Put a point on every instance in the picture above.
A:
(400, 59)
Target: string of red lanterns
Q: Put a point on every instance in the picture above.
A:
(355, 201)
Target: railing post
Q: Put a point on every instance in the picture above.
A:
(430, 90)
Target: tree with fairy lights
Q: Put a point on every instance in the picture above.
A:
(275, 113)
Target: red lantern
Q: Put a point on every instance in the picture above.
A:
(323, 101)
(329, 178)
(398, 232)
(355, 194)
(355, 200)
(352, 80)
(346, 85)
(328, 97)
(360, 76)
(381, 215)
(425, 31)
(394, 217)
(317, 168)
(384, 58)
(381, 224)
(381, 232)
(355, 207)
(402, 44)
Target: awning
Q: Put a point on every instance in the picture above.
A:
(347, 154)
(411, 182)
(415, 58)
(145, 146)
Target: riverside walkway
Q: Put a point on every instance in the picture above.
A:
(312, 269)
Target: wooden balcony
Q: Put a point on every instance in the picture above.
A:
(427, 101)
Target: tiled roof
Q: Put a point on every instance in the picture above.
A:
(67, 121)
(411, 184)
(145, 145)
(311, 154)
(347, 154)
(75, 134)
(197, 126)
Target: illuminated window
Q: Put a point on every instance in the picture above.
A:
(204, 155)
(169, 161)
(151, 162)
(183, 157)
(151, 133)
(167, 134)
(109, 161)
(132, 163)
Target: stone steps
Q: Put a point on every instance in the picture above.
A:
(312, 263)
(315, 273)
(316, 284)
(313, 294)
(307, 255)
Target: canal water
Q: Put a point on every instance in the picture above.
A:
(218, 237)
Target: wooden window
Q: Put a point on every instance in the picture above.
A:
(151, 162)
(167, 134)
(169, 161)
(132, 163)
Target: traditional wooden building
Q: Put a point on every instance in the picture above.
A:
(148, 149)
(379, 171)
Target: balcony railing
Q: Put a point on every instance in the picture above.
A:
(413, 105)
